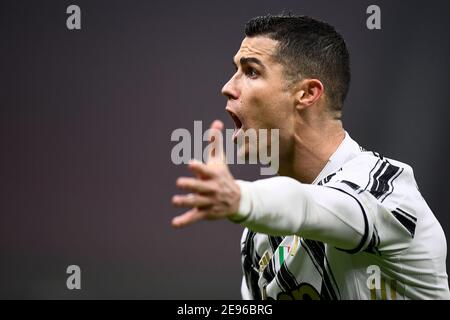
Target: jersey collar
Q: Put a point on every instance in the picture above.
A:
(347, 150)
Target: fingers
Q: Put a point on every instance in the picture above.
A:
(187, 218)
(202, 185)
(191, 201)
(201, 169)
(217, 125)
(195, 185)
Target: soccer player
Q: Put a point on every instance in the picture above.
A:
(338, 222)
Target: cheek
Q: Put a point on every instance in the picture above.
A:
(268, 111)
(264, 105)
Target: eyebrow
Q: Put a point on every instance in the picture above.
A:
(248, 60)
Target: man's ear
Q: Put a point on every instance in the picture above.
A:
(308, 92)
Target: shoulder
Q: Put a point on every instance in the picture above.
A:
(387, 190)
(389, 181)
(369, 166)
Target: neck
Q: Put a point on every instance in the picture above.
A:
(313, 145)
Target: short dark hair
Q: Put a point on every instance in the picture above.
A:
(308, 48)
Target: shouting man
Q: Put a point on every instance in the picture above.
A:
(339, 222)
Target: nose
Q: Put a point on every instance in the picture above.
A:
(230, 90)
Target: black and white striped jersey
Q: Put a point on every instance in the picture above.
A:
(401, 253)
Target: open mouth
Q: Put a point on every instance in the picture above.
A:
(237, 124)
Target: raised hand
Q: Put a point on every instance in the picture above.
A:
(214, 192)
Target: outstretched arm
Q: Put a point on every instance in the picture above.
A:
(276, 206)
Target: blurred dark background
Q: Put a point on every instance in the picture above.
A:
(86, 117)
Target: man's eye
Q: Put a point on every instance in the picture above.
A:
(252, 73)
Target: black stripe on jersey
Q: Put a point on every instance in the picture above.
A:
(328, 277)
(380, 183)
(408, 221)
(250, 244)
(286, 279)
(391, 185)
(269, 271)
(318, 264)
(352, 185)
(381, 186)
(407, 214)
(370, 174)
(374, 243)
(326, 179)
(275, 242)
(319, 247)
(316, 252)
(366, 224)
(376, 176)
(251, 272)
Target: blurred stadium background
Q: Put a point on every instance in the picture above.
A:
(86, 117)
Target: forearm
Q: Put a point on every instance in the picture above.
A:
(284, 206)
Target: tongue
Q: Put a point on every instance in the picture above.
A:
(236, 132)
